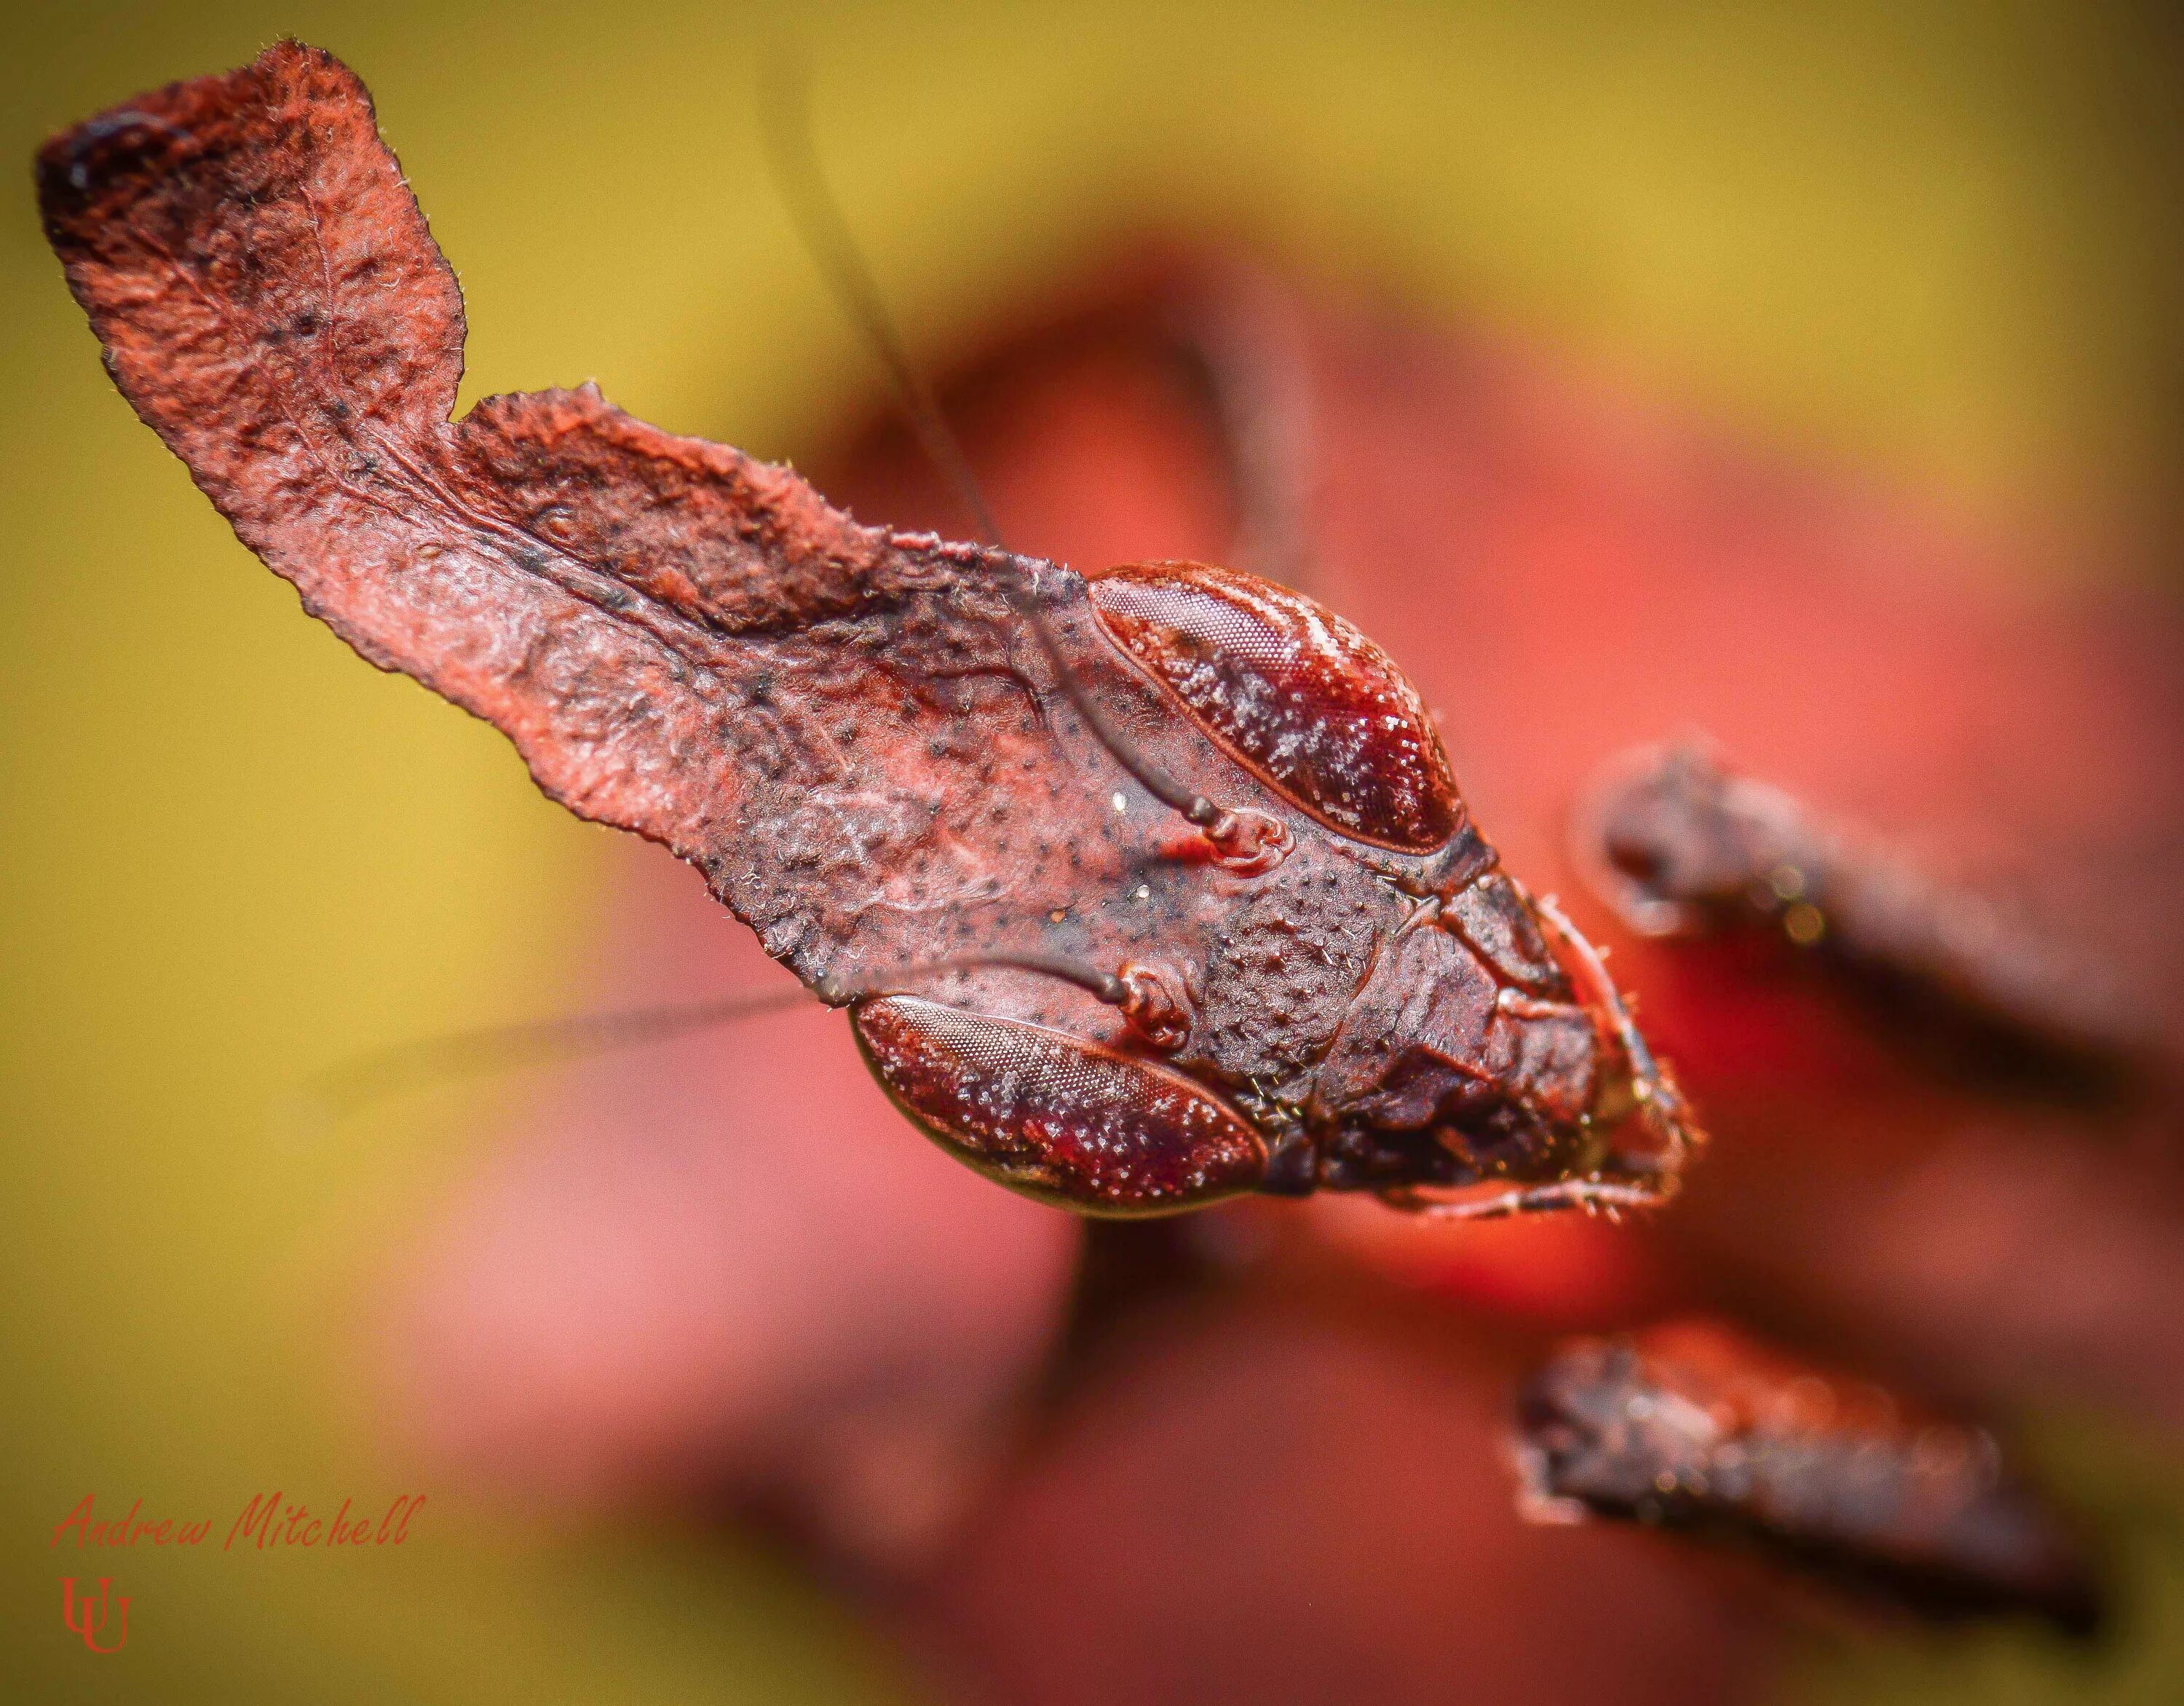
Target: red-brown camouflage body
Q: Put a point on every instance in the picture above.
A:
(1685, 848)
(1694, 1425)
(863, 738)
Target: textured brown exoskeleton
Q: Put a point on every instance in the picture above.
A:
(1143, 888)
(1695, 1426)
(1685, 848)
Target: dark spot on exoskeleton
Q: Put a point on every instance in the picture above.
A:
(306, 323)
(337, 409)
(759, 689)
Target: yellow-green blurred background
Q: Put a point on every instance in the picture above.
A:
(1944, 246)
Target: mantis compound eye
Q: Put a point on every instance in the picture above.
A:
(1291, 692)
(1054, 1116)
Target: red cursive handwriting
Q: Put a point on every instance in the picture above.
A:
(270, 1523)
(267, 1521)
(128, 1531)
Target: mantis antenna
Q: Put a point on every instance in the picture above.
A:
(785, 123)
(362, 1081)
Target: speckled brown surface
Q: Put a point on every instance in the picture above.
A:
(1693, 1425)
(877, 753)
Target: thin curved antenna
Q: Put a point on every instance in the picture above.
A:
(1247, 837)
(348, 1087)
(785, 122)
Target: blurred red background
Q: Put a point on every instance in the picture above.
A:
(726, 1265)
